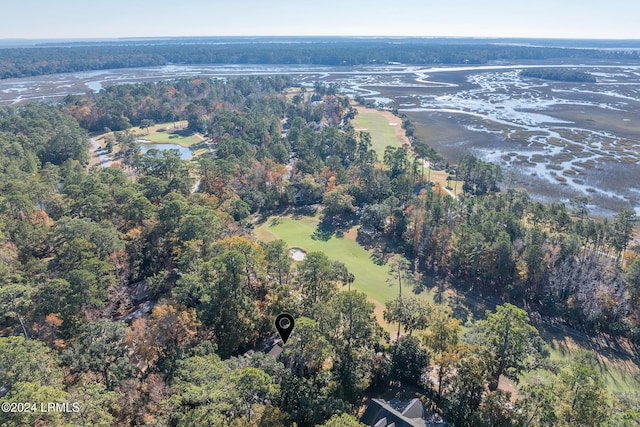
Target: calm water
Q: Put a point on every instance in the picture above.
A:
(185, 152)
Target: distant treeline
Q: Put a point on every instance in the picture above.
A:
(559, 74)
(21, 62)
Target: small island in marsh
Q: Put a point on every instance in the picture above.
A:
(559, 74)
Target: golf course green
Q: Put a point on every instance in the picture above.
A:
(370, 278)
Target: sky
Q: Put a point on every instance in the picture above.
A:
(83, 19)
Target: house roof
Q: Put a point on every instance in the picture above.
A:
(411, 413)
(140, 291)
(276, 351)
(142, 311)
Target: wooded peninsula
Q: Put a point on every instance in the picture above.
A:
(53, 58)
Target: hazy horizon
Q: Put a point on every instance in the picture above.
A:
(303, 36)
(118, 19)
(581, 43)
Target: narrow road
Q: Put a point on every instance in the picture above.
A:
(196, 186)
(205, 140)
(100, 153)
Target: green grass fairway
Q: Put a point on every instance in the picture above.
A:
(164, 133)
(382, 134)
(370, 277)
(620, 373)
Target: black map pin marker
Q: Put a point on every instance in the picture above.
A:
(284, 325)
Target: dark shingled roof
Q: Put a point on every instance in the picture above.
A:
(276, 351)
(380, 413)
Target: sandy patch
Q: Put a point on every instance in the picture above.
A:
(297, 254)
(378, 311)
(352, 234)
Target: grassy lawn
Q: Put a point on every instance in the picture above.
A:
(377, 123)
(382, 134)
(620, 373)
(166, 133)
(370, 277)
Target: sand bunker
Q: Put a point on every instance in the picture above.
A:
(297, 254)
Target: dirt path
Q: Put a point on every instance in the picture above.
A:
(99, 157)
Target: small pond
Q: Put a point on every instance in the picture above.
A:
(185, 152)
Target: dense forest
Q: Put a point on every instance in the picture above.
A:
(50, 59)
(145, 302)
(559, 74)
